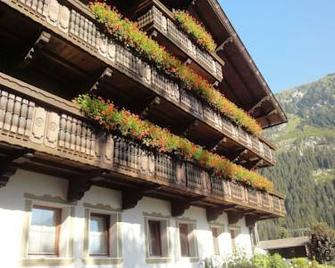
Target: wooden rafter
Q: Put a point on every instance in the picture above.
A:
(8, 168)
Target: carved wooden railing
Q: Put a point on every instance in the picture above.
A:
(37, 120)
(160, 18)
(77, 25)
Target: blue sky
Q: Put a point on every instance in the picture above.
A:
(291, 41)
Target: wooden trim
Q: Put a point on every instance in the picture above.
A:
(107, 233)
(57, 224)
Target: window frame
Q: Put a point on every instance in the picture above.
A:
(216, 240)
(159, 239)
(234, 244)
(192, 240)
(114, 256)
(165, 238)
(107, 234)
(57, 224)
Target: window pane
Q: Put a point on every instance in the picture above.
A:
(98, 239)
(155, 241)
(184, 240)
(43, 231)
(234, 233)
(216, 233)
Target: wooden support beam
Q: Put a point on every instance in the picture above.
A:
(79, 186)
(130, 198)
(216, 84)
(234, 217)
(41, 41)
(214, 147)
(190, 127)
(188, 61)
(214, 212)
(250, 221)
(8, 168)
(226, 42)
(234, 157)
(264, 117)
(252, 165)
(152, 103)
(178, 207)
(106, 74)
(258, 104)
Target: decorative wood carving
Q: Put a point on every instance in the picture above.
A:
(106, 74)
(152, 103)
(178, 208)
(258, 104)
(234, 217)
(226, 42)
(5, 174)
(42, 40)
(254, 164)
(213, 213)
(8, 168)
(250, 221)
(234, 157)
(77, 188)
(130, 198)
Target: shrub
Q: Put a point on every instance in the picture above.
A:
(322, 243)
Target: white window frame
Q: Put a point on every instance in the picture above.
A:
(165, 239)
(192, 240)
(114, 255)
(65, 243)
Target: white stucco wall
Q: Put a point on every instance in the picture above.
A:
(13, 216)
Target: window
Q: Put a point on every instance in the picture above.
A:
(99, 235)
(216, 232)
(184, 240)
(234, 232)
(155, 240)
(44, 231)
(187, 240)
(102, 236)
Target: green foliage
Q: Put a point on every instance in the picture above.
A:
(322, 243)
(129, 34)
(305, 168)
(145, 132)
(195, 29)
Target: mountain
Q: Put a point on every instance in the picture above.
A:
(305, 168)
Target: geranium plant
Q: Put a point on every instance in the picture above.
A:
(128, 33)
(194, 29)
(145, 132)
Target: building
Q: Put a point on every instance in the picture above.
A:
(289, 248)
(75, 195)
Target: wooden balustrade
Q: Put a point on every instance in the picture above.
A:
(78, 26)
(53, 126)
(164, 22)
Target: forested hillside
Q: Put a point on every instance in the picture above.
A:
(305, 169)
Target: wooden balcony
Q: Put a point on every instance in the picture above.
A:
(43, 132)
(72, 40)
(158, 21)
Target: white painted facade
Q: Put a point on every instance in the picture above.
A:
(29, 188)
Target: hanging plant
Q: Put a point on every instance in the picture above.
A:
(131, 126)
(130, 35)
(195, 29)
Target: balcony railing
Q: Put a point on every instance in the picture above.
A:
(161, 19)
(37, 120)
(78, 26)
